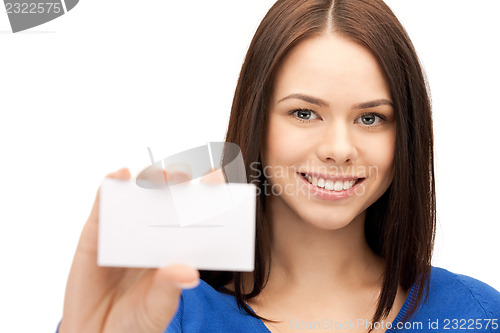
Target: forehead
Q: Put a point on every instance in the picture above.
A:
(332, 67)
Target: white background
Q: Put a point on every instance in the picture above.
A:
(87, 93)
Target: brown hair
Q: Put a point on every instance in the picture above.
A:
(400, 225)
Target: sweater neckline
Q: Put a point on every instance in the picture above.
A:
(410, 299)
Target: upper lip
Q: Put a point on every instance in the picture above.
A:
(330, 177)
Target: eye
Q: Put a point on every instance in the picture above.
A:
(304, 115)
(371, 119)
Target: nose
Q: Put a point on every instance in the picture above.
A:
(337, 144)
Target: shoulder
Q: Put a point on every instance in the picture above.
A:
(463, 288)
(459, 297)
(204, 309)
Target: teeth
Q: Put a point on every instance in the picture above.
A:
(339, 186)
(321, 182)
(348, 184)
(329, 184)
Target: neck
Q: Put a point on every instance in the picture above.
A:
(306, 257)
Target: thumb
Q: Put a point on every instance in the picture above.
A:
(162, 298)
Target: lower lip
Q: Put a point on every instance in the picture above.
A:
(331, 195)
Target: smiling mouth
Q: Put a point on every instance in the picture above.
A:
(331, 185)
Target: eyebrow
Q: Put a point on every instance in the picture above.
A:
(306, 98)
(322, 103)
(373, 104)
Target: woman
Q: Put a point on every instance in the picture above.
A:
(333, 118)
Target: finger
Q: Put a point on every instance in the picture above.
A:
(213, 177)
(184, 276)
(177, 173)
(162, 298)
(177, 178)
(123, 173)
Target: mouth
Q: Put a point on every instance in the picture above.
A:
(335, 184)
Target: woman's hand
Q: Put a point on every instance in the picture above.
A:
(108, 299)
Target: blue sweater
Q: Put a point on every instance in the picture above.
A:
(456, 303)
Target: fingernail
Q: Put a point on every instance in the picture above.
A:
(178, 167)
(122, 171)
(177, 178)
(188, 285)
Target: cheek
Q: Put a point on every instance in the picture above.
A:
(380, 155)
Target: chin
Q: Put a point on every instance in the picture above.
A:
(329, 222)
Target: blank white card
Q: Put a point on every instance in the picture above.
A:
(207, 226)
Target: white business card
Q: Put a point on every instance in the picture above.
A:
(207, 226)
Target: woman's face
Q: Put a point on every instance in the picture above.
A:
(330, 139)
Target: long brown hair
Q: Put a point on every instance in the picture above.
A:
(400, 225)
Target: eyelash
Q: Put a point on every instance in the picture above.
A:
(294, 113)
